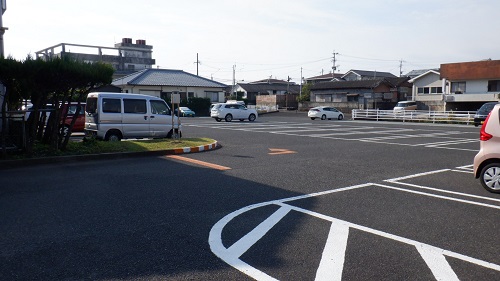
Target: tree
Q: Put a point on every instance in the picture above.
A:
(305, 95)
(55, 82)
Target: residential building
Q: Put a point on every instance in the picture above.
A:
(382, 93)
(251, 90)
(324, 78)
(461, 86)
(353, 75)
(126, 57)
(165, 82)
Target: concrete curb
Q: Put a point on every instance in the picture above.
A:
(9, 164)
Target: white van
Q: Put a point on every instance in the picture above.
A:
(116, 116)
(405, 105)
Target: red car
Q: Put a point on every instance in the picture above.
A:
(70, 112)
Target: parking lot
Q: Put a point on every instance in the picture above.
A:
(423, 214)
(284, 198)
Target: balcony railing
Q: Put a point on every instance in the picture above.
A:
(456, 117)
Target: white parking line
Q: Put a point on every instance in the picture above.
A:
(332, 260)
(400, 179)
(333, 256)
(337, 131)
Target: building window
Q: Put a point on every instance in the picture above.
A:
(423, 90)
(131, 67)
(436, 90)
(214, 96)
(352, 98)
(494, 86)
(458, 87)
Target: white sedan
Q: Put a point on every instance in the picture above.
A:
(325, 112)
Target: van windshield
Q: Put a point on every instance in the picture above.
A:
(91, 106)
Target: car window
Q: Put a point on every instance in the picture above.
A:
(136, 106)
(91, 106)
(159, 107)
(111, 105)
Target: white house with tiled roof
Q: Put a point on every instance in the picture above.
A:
(164, 82)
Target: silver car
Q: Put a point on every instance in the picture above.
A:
(325, 112)
(231, 111)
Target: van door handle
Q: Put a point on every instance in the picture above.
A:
(152, 117)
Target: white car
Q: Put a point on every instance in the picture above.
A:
(231, 111)
(325, 112)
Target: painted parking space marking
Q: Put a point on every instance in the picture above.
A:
(198, 162)
(278, 151)
(333, 255)
(400, 181)
(352, 131)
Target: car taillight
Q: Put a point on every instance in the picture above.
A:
(483, 135)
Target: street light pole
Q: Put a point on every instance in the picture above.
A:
(2, 29)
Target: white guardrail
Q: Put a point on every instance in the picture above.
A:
(460, 117)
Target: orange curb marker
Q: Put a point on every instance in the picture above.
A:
(277, 151)
(198, 162)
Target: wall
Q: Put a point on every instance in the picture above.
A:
(476, 86)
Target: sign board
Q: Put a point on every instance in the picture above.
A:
(176, 98)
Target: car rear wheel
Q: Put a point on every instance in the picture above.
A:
(113, 135)
(490, 177)
(252, 117)
(323, 117)
(341, 117)
(229, 118)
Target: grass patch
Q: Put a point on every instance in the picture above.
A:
(97, 147)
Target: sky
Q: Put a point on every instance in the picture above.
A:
(263, 39)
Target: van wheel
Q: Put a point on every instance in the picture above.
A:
(341, 117)
(323, 117)
(218, 119)
(113, 135)
(252, 117)
(312, 118)
(490, 177)
(229, 118)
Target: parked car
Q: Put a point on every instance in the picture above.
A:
(325, 112)
(230, 111)
(185, 112)
(487, 160)
(482, 112)
(116, 116)
(69, 112)
(405, 105)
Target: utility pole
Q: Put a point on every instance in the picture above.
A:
(197, 64)
(401, 68)
(3, 104)
(234, 81)
(334, 67)
(301, 78)
(287, 90)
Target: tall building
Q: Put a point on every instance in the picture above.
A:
(125, 57)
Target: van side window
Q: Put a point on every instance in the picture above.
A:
(159, 107)
(111, 106)
(134, 106)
